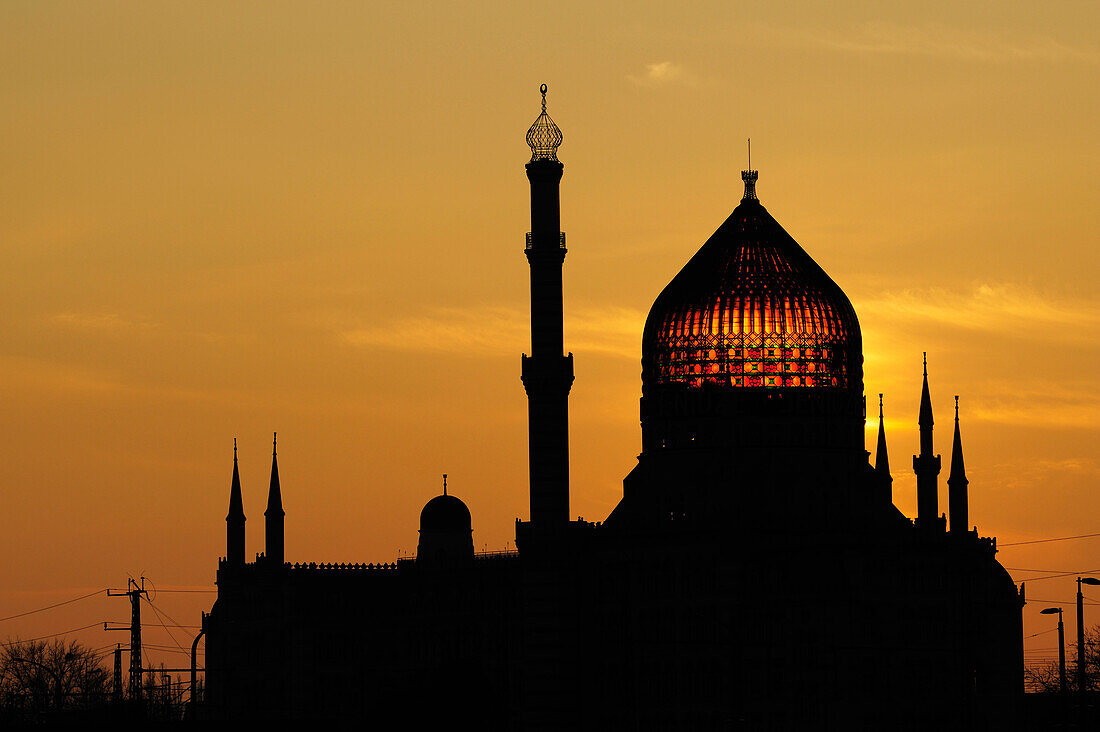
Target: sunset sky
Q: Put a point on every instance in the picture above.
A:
(225, 219)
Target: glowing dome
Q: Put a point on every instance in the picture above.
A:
(752, 310)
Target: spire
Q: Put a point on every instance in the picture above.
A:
(925, 418)
(882, 460)
(544, 137)
(927, 465)
(273, 516)
(236, 502)
(958, 469)
(234, 539)
(957, 483)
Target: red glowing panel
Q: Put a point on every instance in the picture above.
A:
(775, 343)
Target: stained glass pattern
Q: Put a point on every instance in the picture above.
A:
(752, 310)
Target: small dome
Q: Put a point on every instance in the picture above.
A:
(445, 513)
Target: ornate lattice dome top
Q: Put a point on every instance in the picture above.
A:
(752, 310)
(544, 137)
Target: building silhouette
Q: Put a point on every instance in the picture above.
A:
(755, 575)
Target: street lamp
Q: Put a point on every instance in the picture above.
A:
(1061, 646)
(1082, 679)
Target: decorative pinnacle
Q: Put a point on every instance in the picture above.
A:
(880, 406)
(749, 176)
(926, 363)
(544, 137)
(956, 407)
(445, 475)
(274, 436)
(234, 448)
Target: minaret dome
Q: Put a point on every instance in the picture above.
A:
(544, 137)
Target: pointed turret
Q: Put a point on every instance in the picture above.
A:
(926, 465)
(957, 499)
(882, 459)
(273, 516)
(925, 418)
(234, 521)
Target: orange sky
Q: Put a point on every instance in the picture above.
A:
(224, 219)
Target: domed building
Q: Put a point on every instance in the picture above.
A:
(446, 533)
(755, 575)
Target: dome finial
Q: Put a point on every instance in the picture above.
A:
(544, 137)
(445, 475)
(749, 176)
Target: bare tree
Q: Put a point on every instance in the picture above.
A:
(1044, 678)
(50, 678)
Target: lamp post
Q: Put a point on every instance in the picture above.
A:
(1082, 676)
(1061, 646)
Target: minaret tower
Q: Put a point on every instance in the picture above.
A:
(957, 500)
(234, 522)
(882, 459)
(547, 373)
(273, 516)
(926, 465)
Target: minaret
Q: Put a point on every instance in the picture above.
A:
(957, 499)
(547, 374)
(273, 516)
(882, 460)
(234, 522)
(926, 465)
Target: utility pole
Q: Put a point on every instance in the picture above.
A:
(135, 592)
(1082, 661)
(117, 690)
(1061, 653)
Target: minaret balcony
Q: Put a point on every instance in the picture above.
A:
(531, 241)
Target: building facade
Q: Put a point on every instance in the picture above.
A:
(755, 575)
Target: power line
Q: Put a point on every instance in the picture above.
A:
(170, 634)
(1043, 541)
(1041, 632)
(173, 625)
(51, 607)
(1067, 602)
(1063, 571)
(51, 635)
(1055, 576)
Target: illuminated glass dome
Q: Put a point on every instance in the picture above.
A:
(752, 311)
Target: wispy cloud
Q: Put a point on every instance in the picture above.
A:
(1042, 402)
(496, 331)
(995, 308)
(1034, 471)
(104, 322)
(662, 73)
(886, 38)
(1020, 357)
